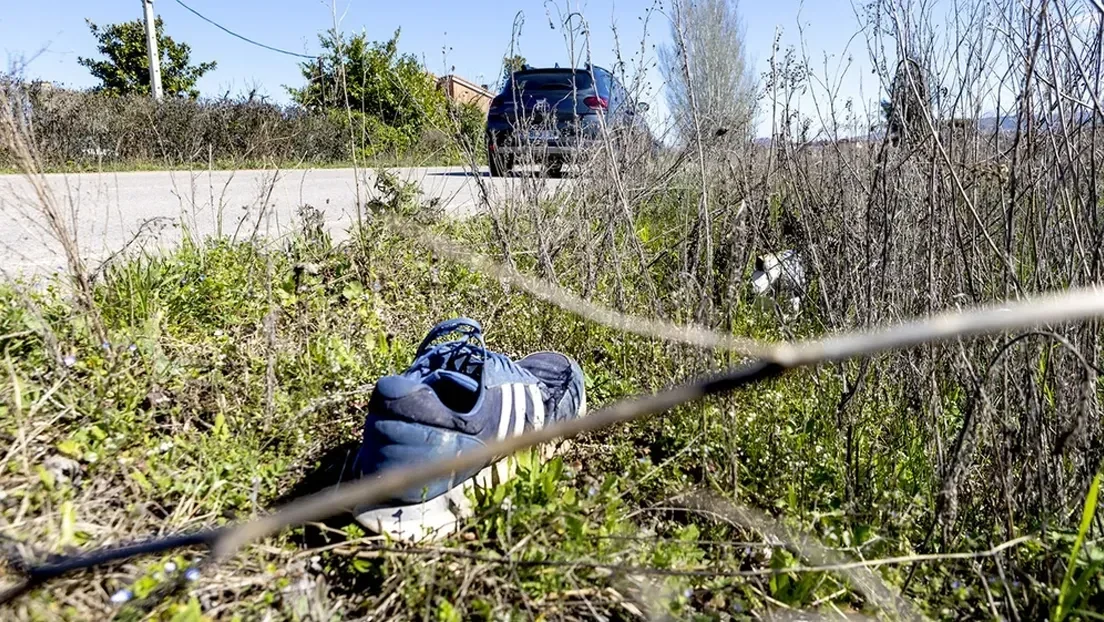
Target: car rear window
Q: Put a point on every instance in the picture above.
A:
(528, 81)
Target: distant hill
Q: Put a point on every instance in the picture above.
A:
(990, 123)
(984, 124)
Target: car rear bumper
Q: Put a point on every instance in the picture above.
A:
(557, 149)
(503, 139)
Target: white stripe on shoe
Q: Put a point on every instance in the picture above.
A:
(504, 413)
(519, 409)
(538, 406)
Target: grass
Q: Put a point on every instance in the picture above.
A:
(158, 165)
(232, 380)
(114, 166)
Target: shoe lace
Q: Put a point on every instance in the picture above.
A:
(467, 355)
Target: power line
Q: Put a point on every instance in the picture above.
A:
(246, 39)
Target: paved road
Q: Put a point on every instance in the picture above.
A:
(109, 209)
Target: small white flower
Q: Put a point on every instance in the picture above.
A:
(191, 574)
(219, 333)
(507, 504)
(121, 596)
(170, 567)
(69, 360)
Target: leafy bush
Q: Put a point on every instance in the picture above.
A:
(393, 100)
(82, 129)
(86, 129)
(470, 122)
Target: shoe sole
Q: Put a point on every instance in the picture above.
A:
(443, 515)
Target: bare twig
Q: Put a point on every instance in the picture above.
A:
(372, 550)
(146, 225)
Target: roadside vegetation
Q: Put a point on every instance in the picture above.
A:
(363, 104)
(88, 132)
(216, 381)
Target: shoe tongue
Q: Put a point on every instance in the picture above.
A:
(444, 379)
(394, 387)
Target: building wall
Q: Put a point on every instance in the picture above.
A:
(461, 91)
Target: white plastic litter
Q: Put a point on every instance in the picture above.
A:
(780, 276)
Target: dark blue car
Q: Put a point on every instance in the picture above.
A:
(553, 116)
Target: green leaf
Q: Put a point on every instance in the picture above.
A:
(46, 477)
(70, 448)
(220, 430)
(142, 481)
(68, 524)
(689, 533)
(548, 484)
(189, 613)
(568, 497)
(447, 613)
(284, 298)
(352, 290)
(144, 586)
(1068, 593)
(575, 526)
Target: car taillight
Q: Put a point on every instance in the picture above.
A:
(596, 103)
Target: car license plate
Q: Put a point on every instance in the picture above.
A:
(544, 135)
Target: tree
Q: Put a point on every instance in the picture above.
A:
(706, 58)
(908, 99)
(126, 69)
(373, 79)
(510, 64)
(391, 97)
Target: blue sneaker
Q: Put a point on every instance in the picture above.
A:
(455, 397)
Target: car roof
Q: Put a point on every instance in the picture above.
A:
(565, 69)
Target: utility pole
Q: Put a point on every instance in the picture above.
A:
(151, 48)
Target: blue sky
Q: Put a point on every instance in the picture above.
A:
(468, 37)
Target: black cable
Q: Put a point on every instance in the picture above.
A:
(66, 564)
(246, 39)
(58, 565)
